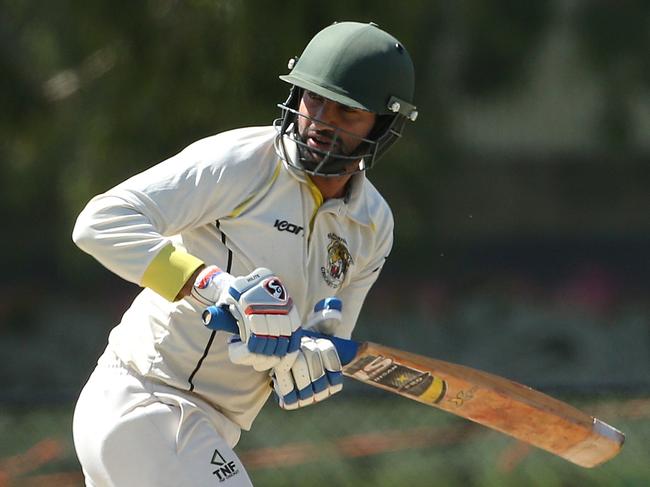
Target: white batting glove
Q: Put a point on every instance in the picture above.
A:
(326, 317)
(316, 373)
(314, 376)
(210, 284)
(267, 318)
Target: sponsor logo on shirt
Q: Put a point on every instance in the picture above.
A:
(225, 468)
(339, 261)
(285, 226)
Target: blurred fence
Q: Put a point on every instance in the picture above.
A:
(358, 439)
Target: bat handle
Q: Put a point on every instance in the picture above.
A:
(219, 318)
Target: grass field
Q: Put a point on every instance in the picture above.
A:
(355, 440)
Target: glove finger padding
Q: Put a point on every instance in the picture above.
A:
(239, 354)
(268, 321)
(332, 365)
(314, 376)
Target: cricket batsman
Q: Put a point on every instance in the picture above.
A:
(278, 224)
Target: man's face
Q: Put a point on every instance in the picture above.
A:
(325, 116)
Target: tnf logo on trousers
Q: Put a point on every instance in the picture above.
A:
(225, 469)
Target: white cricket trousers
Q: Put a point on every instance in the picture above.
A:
(133, 432)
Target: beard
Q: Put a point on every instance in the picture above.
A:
(327, 153)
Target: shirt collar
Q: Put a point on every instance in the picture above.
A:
(354, 204)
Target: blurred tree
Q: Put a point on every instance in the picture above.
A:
(92, 92)
(615, 41)
(498, 39)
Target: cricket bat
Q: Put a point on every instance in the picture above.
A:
(495, 402)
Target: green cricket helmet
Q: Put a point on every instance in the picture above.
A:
(357, 65)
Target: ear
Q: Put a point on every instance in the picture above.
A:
(295, 95)
(382, 124)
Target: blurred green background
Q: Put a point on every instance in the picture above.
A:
(520, 195)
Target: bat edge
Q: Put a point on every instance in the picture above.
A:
(603, 444)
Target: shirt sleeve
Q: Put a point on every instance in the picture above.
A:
(130, 229)
(125, 241)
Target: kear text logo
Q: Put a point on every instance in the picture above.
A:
(285, 226)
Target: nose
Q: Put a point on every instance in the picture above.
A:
(326, 113)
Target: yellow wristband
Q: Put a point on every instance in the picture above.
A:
(169, 271)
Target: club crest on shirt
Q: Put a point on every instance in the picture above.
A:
(339, 261)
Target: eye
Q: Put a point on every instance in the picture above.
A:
(313, 96)
(348, 109)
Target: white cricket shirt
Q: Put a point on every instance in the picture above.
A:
(228, 200)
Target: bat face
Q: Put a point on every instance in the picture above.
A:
(493, 401)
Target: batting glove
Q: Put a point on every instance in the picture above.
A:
(314, 376)
(326, 317)
(268, 321)
(210, 285)
(316, 373)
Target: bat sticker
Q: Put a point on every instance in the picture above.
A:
(463, 396)
(400, 378)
